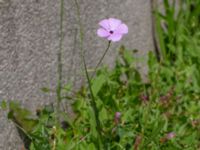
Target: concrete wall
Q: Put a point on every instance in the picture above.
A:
(29, 41)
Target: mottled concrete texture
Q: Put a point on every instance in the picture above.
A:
(29, 41)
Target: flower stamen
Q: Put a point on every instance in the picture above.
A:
(111, 32)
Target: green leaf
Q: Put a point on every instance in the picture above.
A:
(45, 90)
(3, 105)
(67, 87)
(91, 146)
(32, 147)
(98, 83)
(22, 117)
(103, 115)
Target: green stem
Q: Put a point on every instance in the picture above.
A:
(92, 102)
(59, 55)
(101, 59)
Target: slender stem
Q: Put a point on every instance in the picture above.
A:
(101, 59)
(92, 102)
(59, 55)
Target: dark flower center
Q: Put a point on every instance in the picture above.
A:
(111, 32)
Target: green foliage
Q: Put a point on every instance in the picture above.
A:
(178, 31)
(161, 114)
(22, 117)
(3, 105)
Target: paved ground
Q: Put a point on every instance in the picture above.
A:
(29, 41)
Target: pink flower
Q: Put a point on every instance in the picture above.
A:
(170, 135)
(117, 117)
(112, 29)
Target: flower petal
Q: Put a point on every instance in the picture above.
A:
(114, 23)
(105, 24)
(102, 32)
(123, 29)
(115, 37)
